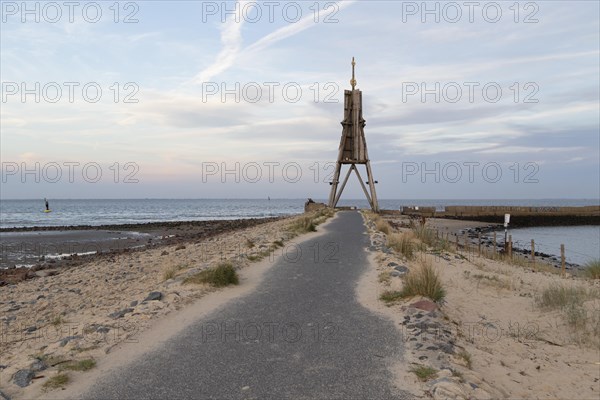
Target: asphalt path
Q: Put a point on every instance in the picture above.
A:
(301, 334)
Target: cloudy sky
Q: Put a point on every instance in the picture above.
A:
(222, 99)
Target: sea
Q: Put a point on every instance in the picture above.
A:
(582, 242)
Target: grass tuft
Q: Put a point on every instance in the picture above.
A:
(382, 226)
(222, 275)
(592, 269)
(466, 357)
(403, 244)
(557, 297)
(55, 382)
(582, 322)
(82, 365)
(389, 296)
(423, 372)
(424, 281)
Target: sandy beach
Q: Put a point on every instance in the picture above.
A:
(487, 339)
(82, 311)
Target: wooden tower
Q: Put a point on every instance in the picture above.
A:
(353, 147)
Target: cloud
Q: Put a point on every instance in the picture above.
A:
(231, 37)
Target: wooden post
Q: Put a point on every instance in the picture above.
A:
(479, 244)
(510, 246)
(456, 237)
(533, 252)
(495, 248)
(562, 260)
(466, 247)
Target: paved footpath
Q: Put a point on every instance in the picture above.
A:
(300, 335)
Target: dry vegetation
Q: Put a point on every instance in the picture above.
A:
(222, 275)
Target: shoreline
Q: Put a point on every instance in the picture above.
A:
(27, 252)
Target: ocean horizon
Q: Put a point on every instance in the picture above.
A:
(17, 213)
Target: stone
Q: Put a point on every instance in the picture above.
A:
(66, 340)
(154, 296)
(392, 264)
(120, 313)
(401, 268)
(164, 253)
(46, 272)
(38, 365)
(23, 377)
(3, 396)
(31, 329)
(133, 303)
(447, 389)
(395, 274)
(102, 329)
(447, 348)
(425, 305)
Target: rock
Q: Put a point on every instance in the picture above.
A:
(31, 329)
(180, 247)
(425, 305)
(46, 272)
(66, 340)
(446, 389)
(164, 253)
(401, 268)
(120, 313)
(447, 348)
(38, 365)
(395, 273)
(3, 396)
(392, 264)
(102, 329)
(23, 377)
(133, 303)
(154, 296)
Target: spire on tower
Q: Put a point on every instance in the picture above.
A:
(353, 81)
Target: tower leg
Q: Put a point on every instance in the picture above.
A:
(337, 198)
(362, 185)
(375, 203)
(334, 184)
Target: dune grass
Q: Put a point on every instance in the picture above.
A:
(81, 365)
(583, 321)
(382, 226)
(57, 381)
(592, 269)
(423, 372)
(424, 281)
(223, 274)
(402, 243)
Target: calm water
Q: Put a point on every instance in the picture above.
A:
(18, 213)
(582, 243)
